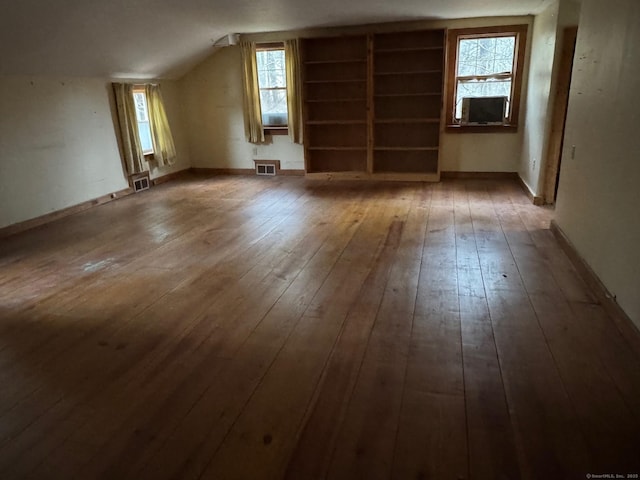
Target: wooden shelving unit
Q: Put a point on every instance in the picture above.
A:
(373, 105)
(407, 102)
(335, 86)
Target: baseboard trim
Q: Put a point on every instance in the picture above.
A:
(625, 325)
(223, 171)
(535, 199)
(292, 173)
(170, 176)
(480, 175)
(65, 212)
(241, 171)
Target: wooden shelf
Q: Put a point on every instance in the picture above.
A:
(407, 120)
(326, 62)
(405, 149)
(336, 122)
(409, 49)
(333, 100)
(341, 80)
(333, 148)
(415, 72)
(423, 94)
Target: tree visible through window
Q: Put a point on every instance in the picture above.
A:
(272, 81)
(485, 62)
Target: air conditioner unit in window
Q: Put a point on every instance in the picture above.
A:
(274, 119)
(484, 110)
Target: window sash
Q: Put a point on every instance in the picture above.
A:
(144, 124)
(277, 88)
(493, 72)
(507, 76)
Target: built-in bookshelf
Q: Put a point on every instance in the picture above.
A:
(372, 104)
(407, 101)
(335, 85)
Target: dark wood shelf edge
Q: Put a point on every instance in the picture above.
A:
(328, 62)
(394, 95)
(414, 72)
(336, 122)
(407, 50)
(335, 100)
(346, 149)
(406, 149)
(352, 80)
(406, 120)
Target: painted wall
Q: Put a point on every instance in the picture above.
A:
(538, 108)
(598, 196)
(58, 144)
(213, 99)
(212, 95)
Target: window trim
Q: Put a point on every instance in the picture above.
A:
(520, 32)
(273, 129)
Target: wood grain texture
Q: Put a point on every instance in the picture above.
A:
(231, 327)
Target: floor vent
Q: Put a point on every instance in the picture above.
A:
(265, 169)
(140, 181)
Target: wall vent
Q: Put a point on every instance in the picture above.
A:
(265, 169)
(140, 181)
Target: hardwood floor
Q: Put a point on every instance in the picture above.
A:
(265, 328)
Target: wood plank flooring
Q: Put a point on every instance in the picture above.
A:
(262, 328)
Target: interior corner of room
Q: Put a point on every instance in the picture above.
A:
(60, 144)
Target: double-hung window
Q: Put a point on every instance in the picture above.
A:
(272, 82)
(485, 62)
(142, 117)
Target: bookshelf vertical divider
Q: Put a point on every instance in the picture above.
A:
(370, 104)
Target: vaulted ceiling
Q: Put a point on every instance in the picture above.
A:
(164, 38)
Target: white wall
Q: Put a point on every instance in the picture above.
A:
(599, 194)
(58, 144)
(213, 99)
(212, 95)
(538, 108)
(480, 152)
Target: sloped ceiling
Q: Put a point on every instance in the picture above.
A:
(165, 38)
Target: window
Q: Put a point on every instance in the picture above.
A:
(485, 62)
(142, 117)
(272, 81)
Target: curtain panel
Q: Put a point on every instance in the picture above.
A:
(253, 128)
(164, 150)
(294, 89)
(130, 140)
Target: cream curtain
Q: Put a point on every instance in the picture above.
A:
(294, 89)
(251, 98)
(131, 149)
(164, 150)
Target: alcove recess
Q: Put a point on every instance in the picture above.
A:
(373, 105)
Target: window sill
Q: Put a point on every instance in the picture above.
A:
(276, 130)
(481, 128)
